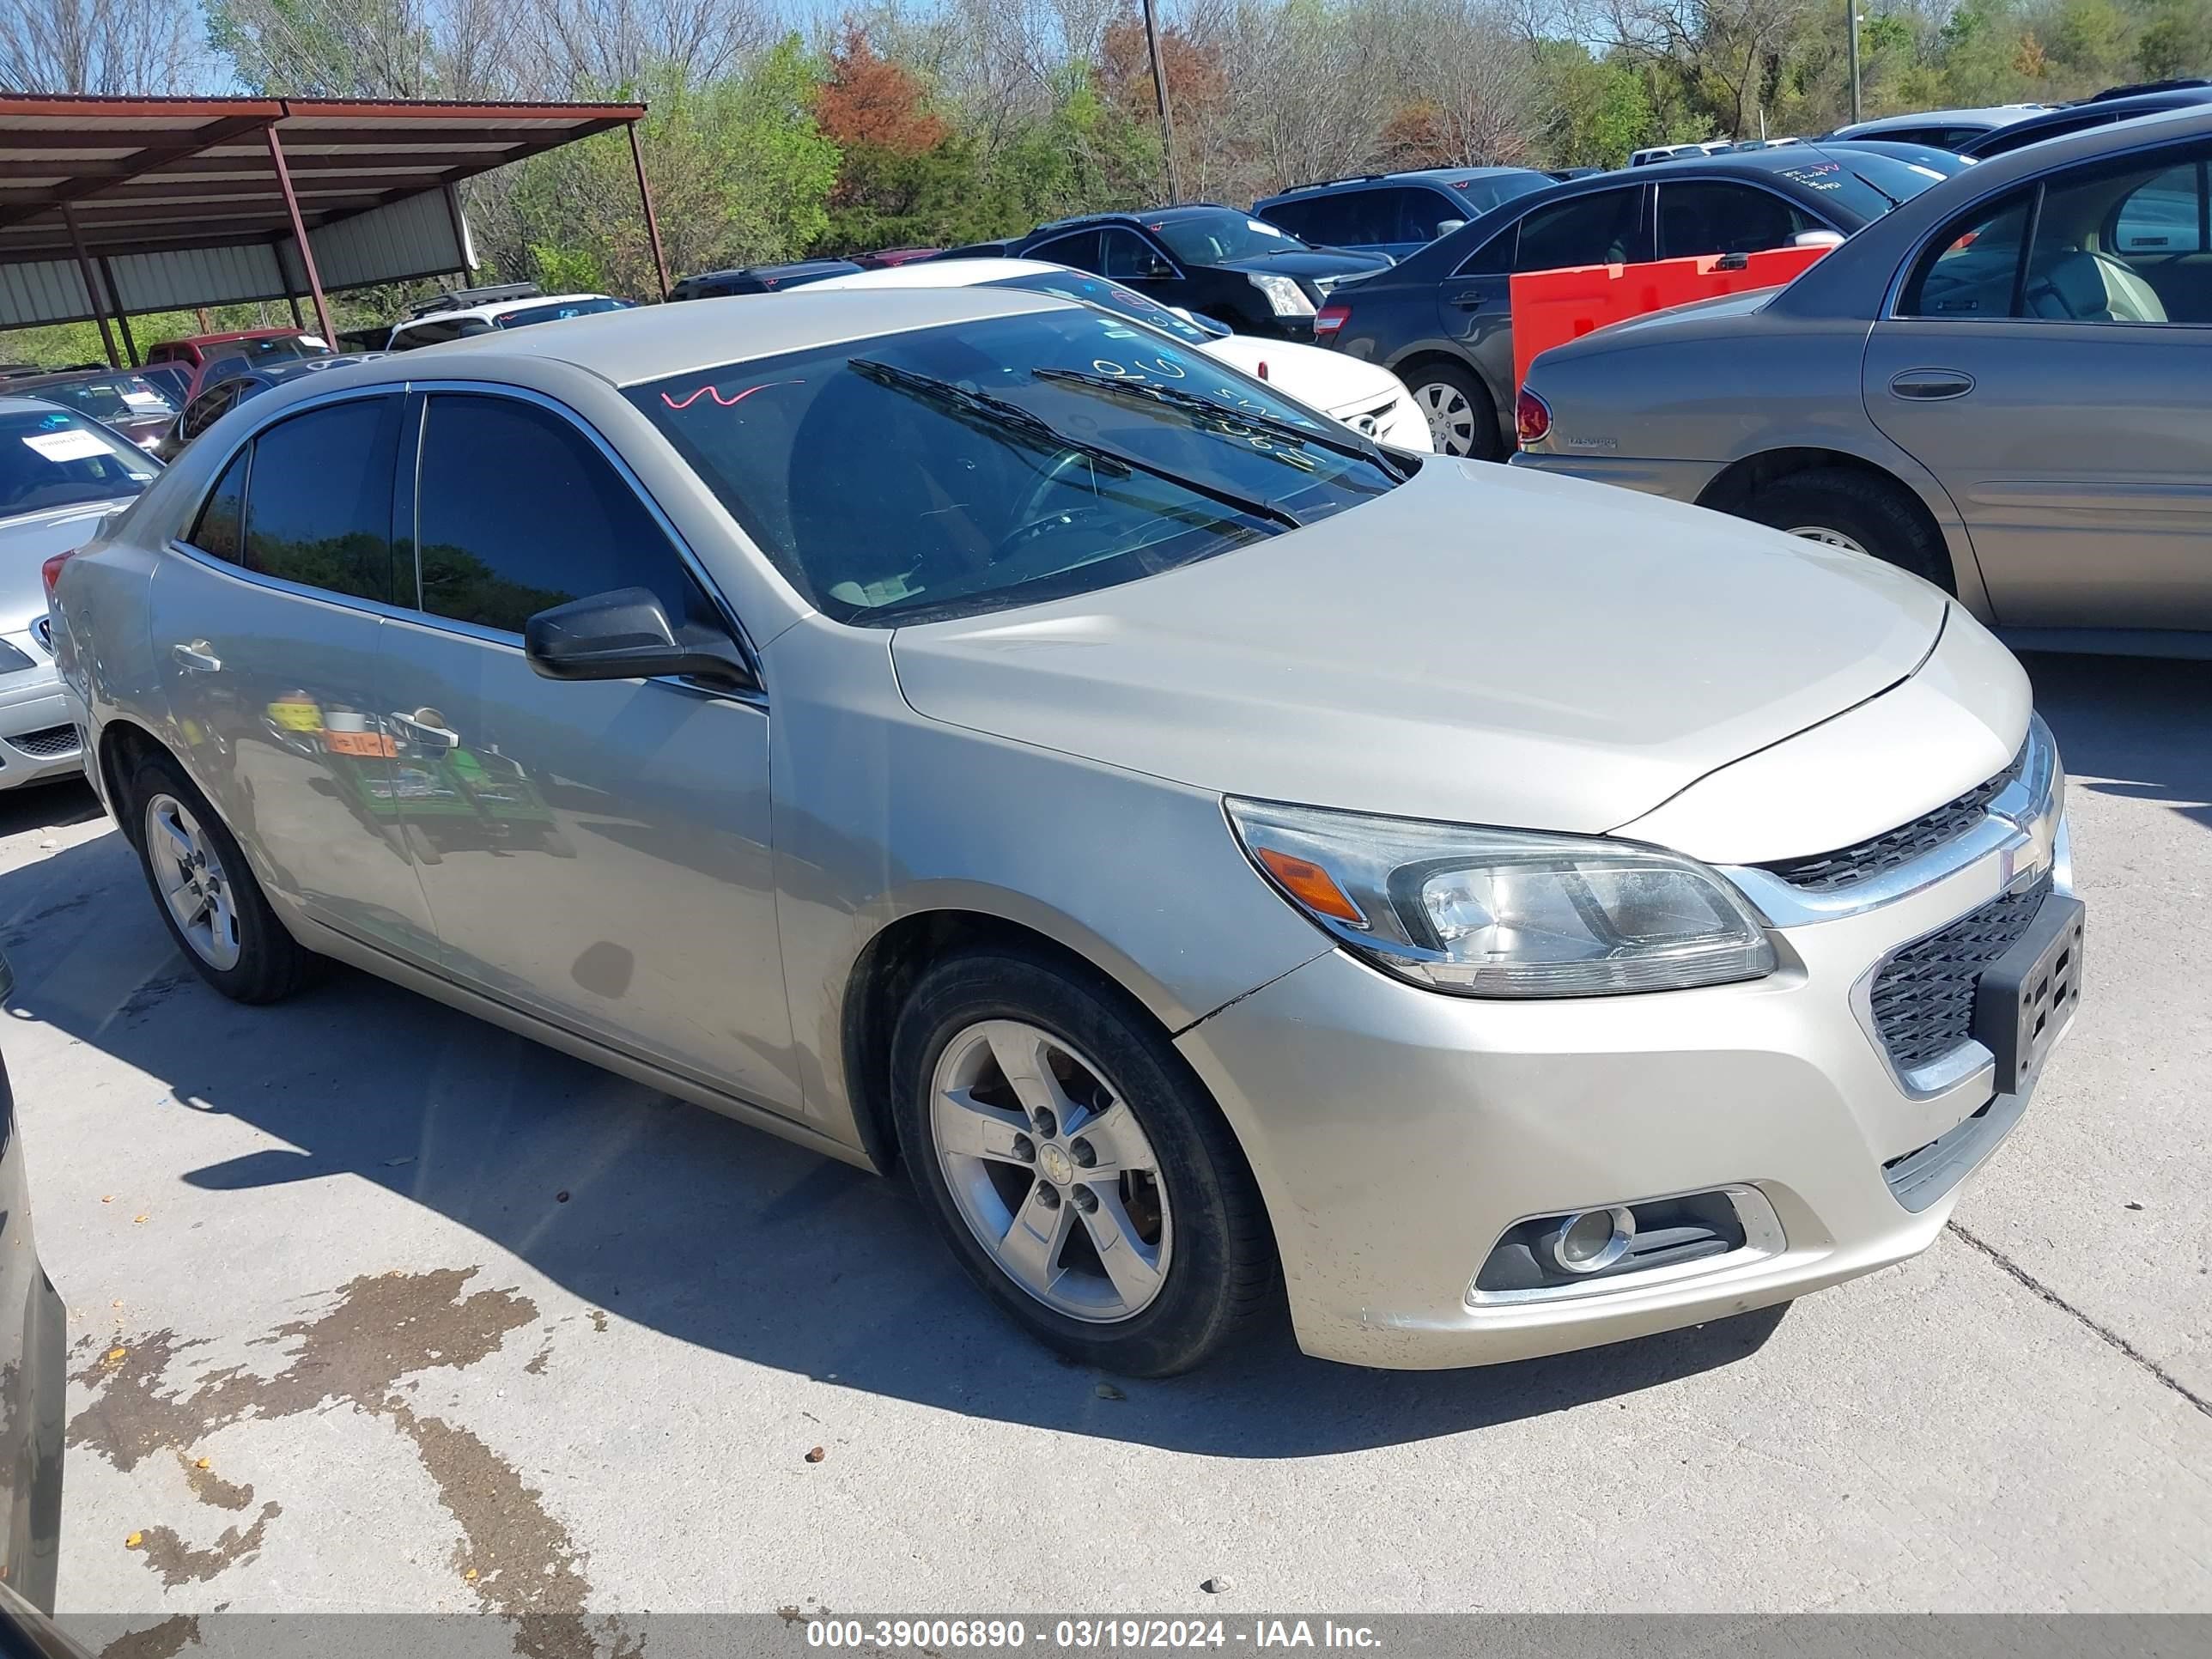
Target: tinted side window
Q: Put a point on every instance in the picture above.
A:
(207, 408)
(319, 509)
(1969, 269)
(1494, 258)
(1420, 212)
(1078, 252)
(1713, 216)
(1597, 229)
(1301, 219)
(424, 334)
(517, 511)
(217, 530)
(1126, 257)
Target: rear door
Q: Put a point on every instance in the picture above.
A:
(2047, 361)
(594, 852)
(266, 621)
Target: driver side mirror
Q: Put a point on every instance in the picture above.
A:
(626, 634)
(1445, 227)
(1817, 239)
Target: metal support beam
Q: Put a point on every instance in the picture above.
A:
(91, 286)
(298, 321)
(122, 320)
(652, 222)
(1160, 91)
(299, 235)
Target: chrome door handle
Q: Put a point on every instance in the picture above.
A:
(197, 657)
(1931, 385)
(1470, 299)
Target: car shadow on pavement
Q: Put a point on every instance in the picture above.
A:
(663, 1214)
(2133, 726)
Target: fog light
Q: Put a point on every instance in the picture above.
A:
(1591, 1241)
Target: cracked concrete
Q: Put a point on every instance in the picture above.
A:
(420, 1380)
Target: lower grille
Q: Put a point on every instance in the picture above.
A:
(51, 743)
(1923, 997)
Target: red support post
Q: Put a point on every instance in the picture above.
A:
(91, 285)
(652, 222)
(300, 234)
(122, 317)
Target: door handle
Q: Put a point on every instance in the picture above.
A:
(1931, 385)
(197, 657)
(1471, 298)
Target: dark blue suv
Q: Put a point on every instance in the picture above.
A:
(1395, 213)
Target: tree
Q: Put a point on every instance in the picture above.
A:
(110, 47)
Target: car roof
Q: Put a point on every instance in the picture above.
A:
(240, 334)
(498, 307)
(1367, 180)
(939, 273)
(1994, 115)
(1159, 215)
(1835, 286)
(2118, 109)
(650, 342)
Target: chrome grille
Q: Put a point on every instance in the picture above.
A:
(51, 743)
(1923, 996)
(1847, 866)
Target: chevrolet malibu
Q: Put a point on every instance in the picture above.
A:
(1228, 863)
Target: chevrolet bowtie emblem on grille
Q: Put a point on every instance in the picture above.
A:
(2025, 860)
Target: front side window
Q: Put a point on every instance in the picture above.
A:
(318, 502)
(1600, 229)
(2112, 243)
(1128, 257)
(50, 457)
(950, 470)
(1704, 215)
(209, 407)
(1219, 235)
(517, 511)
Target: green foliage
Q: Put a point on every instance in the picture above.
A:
(1597, 112)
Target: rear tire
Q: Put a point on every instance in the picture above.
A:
(205, 891)
(1844, 507)
(1462, 420)
(1200, 1268)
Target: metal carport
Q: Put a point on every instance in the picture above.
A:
(114, 205)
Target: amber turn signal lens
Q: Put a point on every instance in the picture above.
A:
(1311, 885)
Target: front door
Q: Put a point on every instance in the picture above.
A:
(272, 609)
(2063, 397)
(596, 852)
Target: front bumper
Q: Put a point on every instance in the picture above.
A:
(1397, 1134)
(39, 735)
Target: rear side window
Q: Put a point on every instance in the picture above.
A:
(219, 531)
(1078, 252)
(1600, 229)
(517, 511)
(1972, 267)
(207, 408)
(319, 506)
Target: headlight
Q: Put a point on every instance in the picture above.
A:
(1495, 912)
(13, 660)
(1284, 296)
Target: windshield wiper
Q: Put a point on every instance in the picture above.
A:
(1175, 396)
(1007, 415)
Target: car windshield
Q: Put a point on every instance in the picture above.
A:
(1213, 238)
(951, 470)
(1107, 296)
(1483, 194)
(555, 313)
(112, 397)
(1866, 185)
(50, 457)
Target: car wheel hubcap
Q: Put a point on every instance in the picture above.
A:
(1050, 1170)
(1827, 537)
(194, 884)
(1450, 418)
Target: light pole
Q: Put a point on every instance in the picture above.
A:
(1851, 16)
(1160, 91)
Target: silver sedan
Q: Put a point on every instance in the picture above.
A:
(2001, 387)
(1226, 862)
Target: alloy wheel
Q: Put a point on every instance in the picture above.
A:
(1827, 537)
(193, 883)
(1450, 418)
(1051, 1171)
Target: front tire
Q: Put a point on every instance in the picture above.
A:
(206, 892)
(1842, 508)
(1076, 1167)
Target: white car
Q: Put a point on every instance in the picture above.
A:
(1365, 397)
(459, 322)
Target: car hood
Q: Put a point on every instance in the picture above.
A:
(27, 541)
(1322, 380)
(1312, 262)
(1479, 646)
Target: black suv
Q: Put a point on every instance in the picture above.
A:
(2114, 104)
(1443, 320)
(1209, 259)
(1395, 213)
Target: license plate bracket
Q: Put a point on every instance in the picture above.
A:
(2027, 995)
